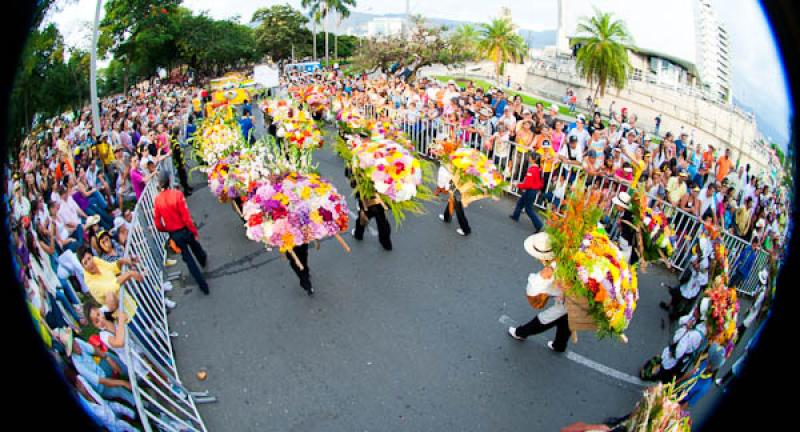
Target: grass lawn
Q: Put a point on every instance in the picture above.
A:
(527, 100)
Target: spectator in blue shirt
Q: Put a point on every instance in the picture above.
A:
(499, 104)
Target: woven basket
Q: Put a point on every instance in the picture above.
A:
(578, 314)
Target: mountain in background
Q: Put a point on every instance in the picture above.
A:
(770, 132)
(357, 22)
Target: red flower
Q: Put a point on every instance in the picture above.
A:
(256, 219)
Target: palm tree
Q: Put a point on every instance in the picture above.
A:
(603, 54)
(321, 9)
(465, 38)
(500, 43)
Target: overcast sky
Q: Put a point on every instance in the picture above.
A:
(758, 79)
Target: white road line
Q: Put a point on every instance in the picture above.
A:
(589, 363)
(372, 231)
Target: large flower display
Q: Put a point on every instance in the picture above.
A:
(609, 283)
(304, 135)
(722, 314)
(277, 109)
(659, 410)
(294, 209)
(394, 172)
(473, 167)
(599, 285)
(315, 96)
(351, 120)
(233, 176)
(657, 236)
(215, 140)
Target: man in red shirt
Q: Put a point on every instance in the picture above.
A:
(530, 188)
(171, 215)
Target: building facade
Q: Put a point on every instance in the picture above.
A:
(713, 52)
(384, 27)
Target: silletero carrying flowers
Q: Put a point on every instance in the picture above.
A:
(657, 236)
(294, 209)
(474, 174)
(600, 286)
(386, 169)
(216, 139)
(722, 314)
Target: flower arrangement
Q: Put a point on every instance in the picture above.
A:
(659, 410)
(315, 96)
(659, 231)
(278, 109)
(722, 314)
(394, 172)
(294, 209)
(609, 283)
(351, 120)
(600, 287)
(215, 140)
(384, 130)
(387, 170)
(304, 135)
(472, 166)
(233, 176)
(657, 236)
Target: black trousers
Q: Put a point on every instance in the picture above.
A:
(304, 275)
(535, 326)
(460, 215)
(377, 212)
(185, 240)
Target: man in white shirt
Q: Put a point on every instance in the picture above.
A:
(69, 213)
(572, 152)
(580, 133)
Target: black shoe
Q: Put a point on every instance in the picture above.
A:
(205, 290)
(663, 305)
(310, 292)
(513, 218)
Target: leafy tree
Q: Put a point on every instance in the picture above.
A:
(320, 9)
(603, 56)
(426, 45)
(279, 28)
(500, 43)
(465, 39)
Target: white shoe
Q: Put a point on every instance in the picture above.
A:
(169, 303)
(550, 345)
(166, 286)
(441, 217)
(170, 262)
(353, 232)
(512, 331)
(460, 231)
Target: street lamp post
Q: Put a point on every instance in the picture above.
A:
(93, 72)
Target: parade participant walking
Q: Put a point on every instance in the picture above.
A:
(300, 267)
(541, 286)
(530, 189)
(373, 208)
(171, 215)
(687, 343)
(454, 204)
(682, 297)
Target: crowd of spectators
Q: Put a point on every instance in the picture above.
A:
(70, 195)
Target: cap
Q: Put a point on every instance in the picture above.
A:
(526, 111)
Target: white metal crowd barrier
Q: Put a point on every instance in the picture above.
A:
(162, 401)
(513, 164)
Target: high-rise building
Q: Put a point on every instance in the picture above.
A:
(713, 52)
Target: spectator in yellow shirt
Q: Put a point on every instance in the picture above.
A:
(104, 278)
(676, 187)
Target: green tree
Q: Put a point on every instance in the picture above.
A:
(426, 45)
(320, 9)
(500, 43)
(465, 39)
(602, 58)
(279, 28)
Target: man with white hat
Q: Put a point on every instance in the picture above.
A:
(682, 297)
(686, 344)
(629, 235)
(542, 285)
(551, 117)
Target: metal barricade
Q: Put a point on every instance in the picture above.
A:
(559, 179)
(162, 401)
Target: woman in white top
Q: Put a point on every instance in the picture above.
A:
(541, 287)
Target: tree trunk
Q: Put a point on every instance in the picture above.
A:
(314, 36)
(325, 29)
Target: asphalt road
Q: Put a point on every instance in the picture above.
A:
(412, 339)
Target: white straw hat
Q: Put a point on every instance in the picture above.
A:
(622, 200)
(538, 246)
(762, 276)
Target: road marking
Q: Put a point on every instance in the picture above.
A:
(372, 231)
(584, 361)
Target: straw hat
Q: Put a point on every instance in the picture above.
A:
(622, 200)
(485, 112)
(91, 220)
(538, 246)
